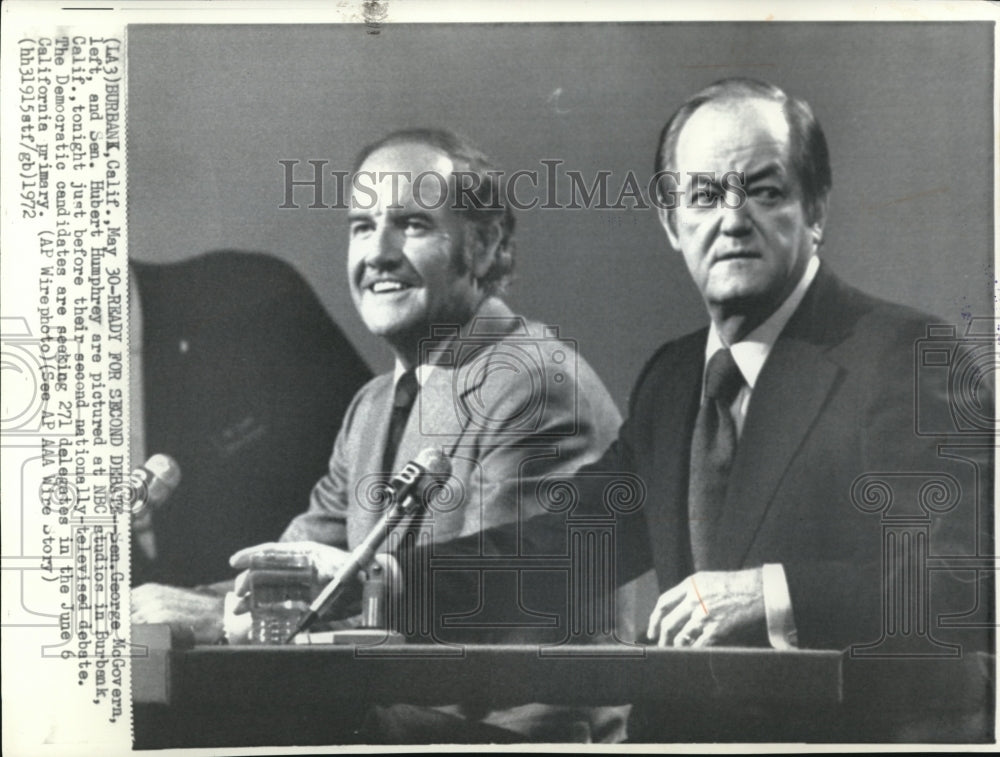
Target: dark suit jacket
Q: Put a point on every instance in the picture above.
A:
(246, 381)
(829, 465)
(834, 402)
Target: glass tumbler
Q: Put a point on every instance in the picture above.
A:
(281, 588)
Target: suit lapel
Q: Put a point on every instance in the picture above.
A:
(440, 416)
(789, 395)
(436, 419)
(432, 423)
(672, 415)
(366, 461)
(377, 421)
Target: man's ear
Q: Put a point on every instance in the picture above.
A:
(666, 216)
(483, 248)
(818, 225)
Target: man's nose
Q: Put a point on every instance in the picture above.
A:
(384, 249)
(735, 220)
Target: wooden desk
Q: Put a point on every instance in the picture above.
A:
(213, 696)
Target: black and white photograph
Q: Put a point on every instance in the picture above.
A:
(512, 382)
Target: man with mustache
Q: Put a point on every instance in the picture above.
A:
(507, 400)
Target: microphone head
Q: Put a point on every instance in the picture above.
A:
(153, 483)
(165, 468)
(436, 463)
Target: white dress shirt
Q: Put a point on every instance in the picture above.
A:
(421, 372)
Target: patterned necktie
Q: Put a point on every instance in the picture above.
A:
(713, 446)
(402, 403)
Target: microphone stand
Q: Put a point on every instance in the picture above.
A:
(361, 556)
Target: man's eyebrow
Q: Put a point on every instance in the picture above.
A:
(358, 215)
(766, 172)
(404, 214)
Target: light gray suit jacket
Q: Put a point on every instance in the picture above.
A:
(511, 403)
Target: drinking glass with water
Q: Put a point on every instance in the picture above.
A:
(282, 584)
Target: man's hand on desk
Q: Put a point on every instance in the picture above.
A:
(194, 610)
(711, 608)
(327, 560)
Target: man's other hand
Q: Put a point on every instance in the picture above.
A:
(328, 560)
(711, 608)
(185, 610)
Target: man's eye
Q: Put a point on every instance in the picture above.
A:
(360, 228)
(415, 226)
(767, 193)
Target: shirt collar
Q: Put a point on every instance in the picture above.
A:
(751, 352)
(422, 372)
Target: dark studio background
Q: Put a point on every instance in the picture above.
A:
(906, 109)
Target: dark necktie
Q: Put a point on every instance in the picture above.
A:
(402, 403)
(713, 446)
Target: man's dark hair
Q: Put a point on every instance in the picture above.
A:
(810, 157)
(487, 206)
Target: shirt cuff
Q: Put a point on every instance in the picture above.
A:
(235, 628)
(781, 631)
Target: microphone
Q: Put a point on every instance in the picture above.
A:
(408, 487)
(152, 484)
